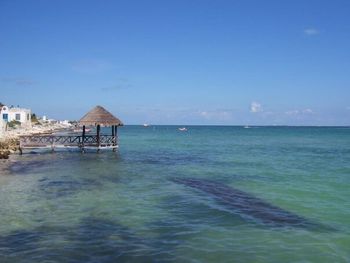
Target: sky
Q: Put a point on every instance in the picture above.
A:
(202, 62)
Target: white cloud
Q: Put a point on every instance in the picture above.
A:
(299, 112)
(220, 115)
(256, 107)
(292, 112)
(311, 31)
(18, 81)
(308, 111)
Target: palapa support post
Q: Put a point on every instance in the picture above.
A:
(83, 140)
(114, 141)
(98, 137)
(116, 137)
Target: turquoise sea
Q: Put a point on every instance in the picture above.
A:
(140, 204)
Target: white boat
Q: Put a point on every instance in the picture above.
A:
(182, 129)
(146, 125)
(81, 130)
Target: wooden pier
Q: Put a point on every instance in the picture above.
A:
(69, 141)
(96, 117)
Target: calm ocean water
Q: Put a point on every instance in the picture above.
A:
(131, 206)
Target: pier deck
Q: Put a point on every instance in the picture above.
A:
(69, 141)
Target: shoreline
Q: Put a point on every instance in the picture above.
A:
(9, 141)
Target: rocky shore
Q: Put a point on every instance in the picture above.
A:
(8, 146)
(9, 142)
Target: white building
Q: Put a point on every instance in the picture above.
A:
(2, 122)
(65, 122)
(2, 127)
(15, 114)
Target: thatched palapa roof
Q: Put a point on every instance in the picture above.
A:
(99, 116)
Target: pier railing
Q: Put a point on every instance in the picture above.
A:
(39, 141)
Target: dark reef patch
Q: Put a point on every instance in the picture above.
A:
(248, 206)
(92, 240)
(60, 188)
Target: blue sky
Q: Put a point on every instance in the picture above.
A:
(179, 62)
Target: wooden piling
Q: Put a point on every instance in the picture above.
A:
(98, 137)
(83, 140)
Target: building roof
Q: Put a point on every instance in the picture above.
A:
(99, 116)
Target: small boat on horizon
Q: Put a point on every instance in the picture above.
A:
(182, 129)
(81, 130)
(146, 125)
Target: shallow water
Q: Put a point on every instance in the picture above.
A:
(126, 206)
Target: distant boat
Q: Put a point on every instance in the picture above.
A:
(182, 129)
(246, 127)
(81, 130)
(146, 125)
